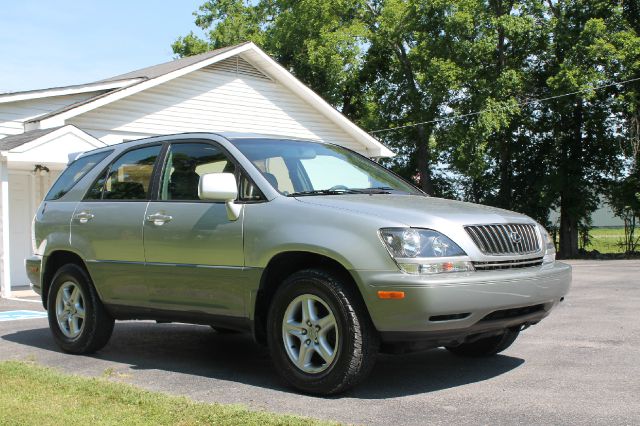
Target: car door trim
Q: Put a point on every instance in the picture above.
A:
(187, 265)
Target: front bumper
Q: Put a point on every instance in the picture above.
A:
(470, 297)
(34, 269)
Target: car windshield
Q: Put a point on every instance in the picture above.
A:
(304, 168)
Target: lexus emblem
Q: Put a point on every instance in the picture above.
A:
(515, 237)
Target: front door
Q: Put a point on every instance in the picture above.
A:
(21, 212)
(194, 252)
(107, 227)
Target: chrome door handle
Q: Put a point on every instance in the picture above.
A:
(159, 218)
(83, 217)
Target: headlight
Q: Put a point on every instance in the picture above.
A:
(423, 251)
(549, 246)
(412, 242)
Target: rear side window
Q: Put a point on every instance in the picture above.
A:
(73, 173)
(128, 178)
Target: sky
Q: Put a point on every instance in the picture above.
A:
(51, 43)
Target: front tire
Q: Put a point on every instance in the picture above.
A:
(488, 346)
(320, 337)
(77, 319)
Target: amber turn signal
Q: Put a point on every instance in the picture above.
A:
(391, 294)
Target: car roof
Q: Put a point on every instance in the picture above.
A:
(230, 136)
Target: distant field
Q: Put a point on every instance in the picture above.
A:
(606, 240)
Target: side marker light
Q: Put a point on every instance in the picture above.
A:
(391, 294)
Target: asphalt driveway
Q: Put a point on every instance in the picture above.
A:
(579, 366)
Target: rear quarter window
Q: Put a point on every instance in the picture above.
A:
(73, 173)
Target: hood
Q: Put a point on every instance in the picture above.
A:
(418, 211)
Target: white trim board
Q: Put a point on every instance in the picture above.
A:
(63, 91)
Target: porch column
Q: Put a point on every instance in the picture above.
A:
(5, 261)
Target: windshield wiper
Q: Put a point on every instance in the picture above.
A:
(376, 190)
(321, 192)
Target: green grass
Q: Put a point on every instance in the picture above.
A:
(606, 240)
(34, 395)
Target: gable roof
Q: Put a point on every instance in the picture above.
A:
(116, 82)
(52, 147)
(140, 76)
(167, 67)
(14, 141)
(152, 76)
(65, 90)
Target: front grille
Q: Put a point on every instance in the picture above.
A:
(507, 264)
(505, 239)
(513, 313)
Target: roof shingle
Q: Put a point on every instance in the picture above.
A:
(167, 67)
(14, 141)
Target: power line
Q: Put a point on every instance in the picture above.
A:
(457, 117)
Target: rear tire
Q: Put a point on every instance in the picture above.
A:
(488, 346)
(79, 322)
(331, 347)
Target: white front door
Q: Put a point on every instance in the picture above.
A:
(26, 191)
(21, 212)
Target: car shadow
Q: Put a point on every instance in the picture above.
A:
(198, 350)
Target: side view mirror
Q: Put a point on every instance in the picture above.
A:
(221, 187)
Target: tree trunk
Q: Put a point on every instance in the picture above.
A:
(570, 195)
(422, 142)
(502, 138)
(424, 168)
(504, 191)
(568, 229)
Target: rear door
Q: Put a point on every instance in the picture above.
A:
(107, 226)
(194, 252)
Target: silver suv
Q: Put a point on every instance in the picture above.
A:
(318, 252)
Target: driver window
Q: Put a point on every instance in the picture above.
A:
(184, 166)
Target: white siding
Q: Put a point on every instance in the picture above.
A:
(212, 99)
(14, 114)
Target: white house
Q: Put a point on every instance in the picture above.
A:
(238, 88)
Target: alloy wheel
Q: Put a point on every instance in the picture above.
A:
(70, 310)
(310, 333)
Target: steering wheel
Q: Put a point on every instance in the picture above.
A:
(338, 187)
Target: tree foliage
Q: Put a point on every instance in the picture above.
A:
(474, 91)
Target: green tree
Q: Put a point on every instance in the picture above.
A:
(349, 51)
(414, 53)
(581, 127)
(321, 42)
(474, 91)
(624, 194)
(492, 143)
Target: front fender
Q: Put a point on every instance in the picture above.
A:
(285, 225)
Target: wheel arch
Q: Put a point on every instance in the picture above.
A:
(52, 262)
(283, 265)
